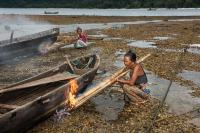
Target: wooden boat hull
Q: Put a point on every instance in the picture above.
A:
(25, 116)
(27, 46)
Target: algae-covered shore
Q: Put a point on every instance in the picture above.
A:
(170, 42)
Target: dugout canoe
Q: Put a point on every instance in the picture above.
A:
(21, 108)
(14, 49)
(50, 12)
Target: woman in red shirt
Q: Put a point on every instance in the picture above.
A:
(81, 39)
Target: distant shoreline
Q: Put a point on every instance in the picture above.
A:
(103, 12)
(76, 19)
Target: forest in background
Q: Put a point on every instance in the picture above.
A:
(100, 3)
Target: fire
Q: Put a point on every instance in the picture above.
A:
(71, 101)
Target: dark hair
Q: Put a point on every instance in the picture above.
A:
(78, 28)
(131, 55)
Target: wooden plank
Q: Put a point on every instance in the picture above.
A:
(3, 86)
(51, 79)
(58, 69)
(7, 106)
(104, 84)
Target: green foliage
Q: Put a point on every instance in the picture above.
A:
(101, 3)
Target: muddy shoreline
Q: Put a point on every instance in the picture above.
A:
(165, 64)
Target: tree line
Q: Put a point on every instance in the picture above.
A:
(99, 3)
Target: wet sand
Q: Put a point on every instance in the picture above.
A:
(165, 63)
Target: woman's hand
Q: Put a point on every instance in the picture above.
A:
(118, 80)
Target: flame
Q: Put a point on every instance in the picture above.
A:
(71, 101)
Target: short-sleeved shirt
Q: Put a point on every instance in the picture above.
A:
(83, 37)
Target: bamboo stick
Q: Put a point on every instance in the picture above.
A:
(86, 96)
(106, 83)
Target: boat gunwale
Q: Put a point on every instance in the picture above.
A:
(25, 38)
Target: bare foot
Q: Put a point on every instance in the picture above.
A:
(134, 103)
(138, 103)
(142, 102)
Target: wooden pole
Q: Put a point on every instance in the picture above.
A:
(69, 63)
(11, 36)
(104, 84)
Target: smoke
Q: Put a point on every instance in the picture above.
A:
(21, 26)
(15, 19)
(44, 47)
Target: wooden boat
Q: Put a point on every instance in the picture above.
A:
(151, 9)
(26, 46)
(48, 12)
(25, 103)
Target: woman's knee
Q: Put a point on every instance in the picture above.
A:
(127, 88)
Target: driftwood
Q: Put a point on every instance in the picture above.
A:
(104, 84)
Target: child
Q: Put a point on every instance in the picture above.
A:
(81, 39)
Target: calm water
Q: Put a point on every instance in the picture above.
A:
(191, 75)
(104, 12)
